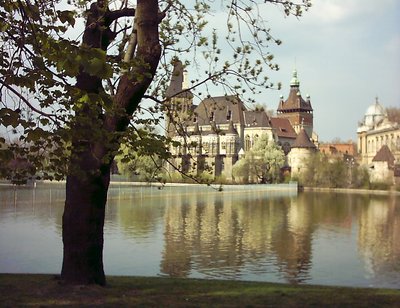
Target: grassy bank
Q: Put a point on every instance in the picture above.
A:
(45, 290)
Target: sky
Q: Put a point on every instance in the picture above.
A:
(346, 53)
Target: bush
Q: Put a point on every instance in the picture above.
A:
(380, 186)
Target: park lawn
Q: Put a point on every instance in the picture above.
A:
(47, 290)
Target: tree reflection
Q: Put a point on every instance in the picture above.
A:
(231, 235)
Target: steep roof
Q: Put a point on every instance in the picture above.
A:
(256, 118)
(219, 110)
(303, 141)
(384, 154)
(295, 101)
(283, 128)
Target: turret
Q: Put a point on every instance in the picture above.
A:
(297, 110)
(179, 99)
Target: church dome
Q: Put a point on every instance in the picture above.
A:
(375, 114)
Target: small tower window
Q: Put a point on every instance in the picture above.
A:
(229, 115)
(212, 116)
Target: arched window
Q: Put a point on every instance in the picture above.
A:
(247, 143)
(223, 145)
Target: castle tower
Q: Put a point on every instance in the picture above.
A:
(302, 149)
(179, 104)
(297, 110)
(232, 142)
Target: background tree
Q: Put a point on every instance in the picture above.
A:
(138, 166)
(393, 114)
(336, 172)
(262, 164)
(74, 72)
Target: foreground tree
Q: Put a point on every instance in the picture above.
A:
(71, 102)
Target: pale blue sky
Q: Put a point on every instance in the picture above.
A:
(346, 53)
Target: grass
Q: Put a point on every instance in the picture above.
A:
(46, 290)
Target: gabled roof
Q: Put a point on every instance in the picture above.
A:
(384, 154)
(283, 128)
(219, 110)
(256, 118)
(303, 141)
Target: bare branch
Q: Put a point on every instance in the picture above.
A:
(48, 115)
(114, 15)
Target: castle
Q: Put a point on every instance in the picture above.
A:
(216, 133)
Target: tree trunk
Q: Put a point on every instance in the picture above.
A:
(83, 223)
(95, 139)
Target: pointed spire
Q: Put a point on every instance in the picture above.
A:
(196, 131)
(214, 127)
(303, 141)
(185, 82)
(384, 154)
(231, 129)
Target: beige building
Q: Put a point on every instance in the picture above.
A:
(375, 131)
(216, 133)
(382, 166)
(301, 151)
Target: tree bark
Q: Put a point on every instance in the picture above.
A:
(94, 140)
(83, 223)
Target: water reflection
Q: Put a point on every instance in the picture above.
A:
(326, 238)
(379, 236)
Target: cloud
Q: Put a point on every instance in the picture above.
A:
(336, 11)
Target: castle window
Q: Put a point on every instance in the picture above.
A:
(212, 116)
(223, 145)
(229, 115)
(255, 138)
(205, 147)
(247, 143)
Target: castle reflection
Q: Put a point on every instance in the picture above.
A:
(232, 235)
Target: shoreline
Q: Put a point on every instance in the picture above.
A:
(352, 190)
(291, 186)
(46, 290)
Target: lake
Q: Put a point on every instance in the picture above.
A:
(276, 236)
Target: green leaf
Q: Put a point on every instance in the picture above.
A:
(9, 117)
(66, 17)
